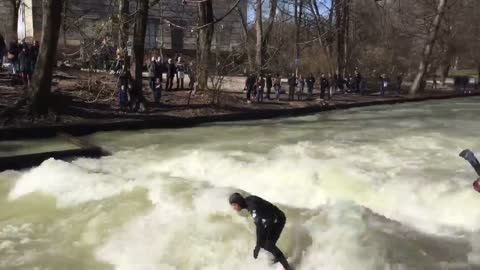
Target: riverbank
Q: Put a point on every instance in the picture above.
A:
(85, 103)
(88, 120)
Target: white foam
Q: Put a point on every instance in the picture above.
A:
(299, 176)
(69, 183)
(304, 175)
(208, 236)
(176, 236)
(324, 178)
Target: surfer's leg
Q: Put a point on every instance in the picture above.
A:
(277, 253)
(277, 231)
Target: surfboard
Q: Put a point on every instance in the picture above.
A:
(278, 266)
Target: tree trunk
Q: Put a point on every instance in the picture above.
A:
(205, 35)
(346, 33)
(323, 32)
(340, 36)
(417, 83)
(64, 23)
(446, 63)
(251, 64)
(330, 37)
(13, 36)
(298, 22)
(259, 32)
(42, 76)
(123, 11)
(268, 30)
(478, 71)
(139, 46)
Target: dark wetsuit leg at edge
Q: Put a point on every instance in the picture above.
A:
(271, 241)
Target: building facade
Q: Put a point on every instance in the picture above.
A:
(87, 19)
(6, 18)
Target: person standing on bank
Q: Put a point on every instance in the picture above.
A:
(301, 86)
(180, 73)
(310, 84)
(24, 66)
(324, 85)
(292, 82)
(277, 85)
(269, 221)
(250, 85)
(152, 73)
(260, 88)
(160, 69)
(3, 49)
(124, 82)
(191, 76)
(34, 50)
(170, 74)
(269, 83)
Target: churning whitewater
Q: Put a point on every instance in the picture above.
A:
(374, 188)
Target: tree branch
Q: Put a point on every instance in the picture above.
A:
(197, 28)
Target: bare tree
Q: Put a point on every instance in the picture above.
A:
(342, 16)
(427, 52)
(246, 39)
(123, 11)
(139, 46)
(324, 30)
(448, 49)
(298, 23)
(268, 29)
(473, 36)
(346, 32)
(42, 76)
(340, 36)
(204, 42)
(259, 33)
(262, 32)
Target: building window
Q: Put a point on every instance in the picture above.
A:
(177, 36)
(151, 34)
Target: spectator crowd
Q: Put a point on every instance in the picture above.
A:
(21, 59)
(161, 75)
(258, 88)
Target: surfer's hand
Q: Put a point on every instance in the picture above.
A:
(256, 251)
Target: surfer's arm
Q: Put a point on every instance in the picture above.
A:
(470, 157)
(260, 239)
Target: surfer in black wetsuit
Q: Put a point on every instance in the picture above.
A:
(470, 157)
(269, 221)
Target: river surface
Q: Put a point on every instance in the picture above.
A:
(373, 188)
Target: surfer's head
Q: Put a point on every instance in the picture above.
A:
(237, 201)
(476, 185)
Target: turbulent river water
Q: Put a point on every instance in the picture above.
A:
(373, 188)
